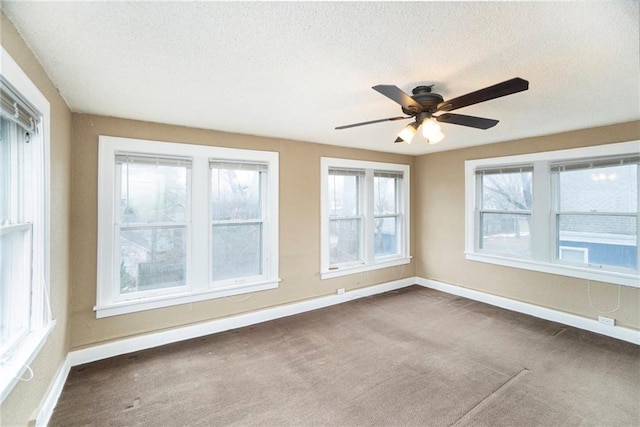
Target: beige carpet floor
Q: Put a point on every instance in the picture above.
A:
(413, 357)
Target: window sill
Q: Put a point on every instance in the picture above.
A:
(132, 306)
(617, 278)
(15, 366)
(361, 268)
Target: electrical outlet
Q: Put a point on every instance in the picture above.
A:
(340, 291)
(607, 321)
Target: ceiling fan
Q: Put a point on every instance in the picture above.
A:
(424, 104)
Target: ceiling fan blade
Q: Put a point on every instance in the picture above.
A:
(496, 91)
(390, 119)
(471, 121)
(398, 139)
(396, 94)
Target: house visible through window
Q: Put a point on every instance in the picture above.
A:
(597, 211)
(159, 198)
(365, 221)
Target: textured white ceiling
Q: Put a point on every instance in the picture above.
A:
(298, 69)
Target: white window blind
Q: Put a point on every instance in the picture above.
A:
(246, 166)
(15, 108)
(346, 172)
(152, 160)
(504, 170)
(388, 174)
(594, 163)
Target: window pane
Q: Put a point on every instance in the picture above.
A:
(15, 289)
(152, 258)
(505, 233)
(606, 239)
(344, 240)
(507, 191)
(385, 236)
(19, 203)
(384, 196)
(237, 251)
(153, 193)
(344, 195)
(235, 194)
(606, 189)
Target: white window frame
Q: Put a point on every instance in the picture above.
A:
(14, 364)
(199, 286)
(543, 242)
(369, 261)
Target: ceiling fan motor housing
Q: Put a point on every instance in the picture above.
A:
(428, 100)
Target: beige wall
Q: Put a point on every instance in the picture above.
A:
(439, 232)
(299, 229)
(23, 402)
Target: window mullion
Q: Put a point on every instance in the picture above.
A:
(477, 213)
(368, 203)
(553, 217)
(638, 216)
(541, 229)
(198, 219)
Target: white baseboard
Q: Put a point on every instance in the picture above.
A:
(621, 333)
(51, 399)
(128, 345)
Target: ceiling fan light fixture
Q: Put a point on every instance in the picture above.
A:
(431, 128)
(408, 132)
(432, 140)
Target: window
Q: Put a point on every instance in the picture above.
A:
(151, 222)
(570, 212)
(238, 191)
(155, 199)
(504, 215)
(365, 216)
(25, 315)
(597, 212)
(345, 217)
(387, 217)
